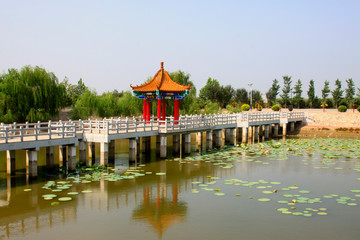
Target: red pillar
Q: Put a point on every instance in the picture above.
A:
(148, 106)
(176, 110)
(159, 109)
(144, 109)
(163, 109)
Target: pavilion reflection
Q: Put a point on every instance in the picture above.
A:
(160, 211)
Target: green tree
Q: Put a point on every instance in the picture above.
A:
(311, 94)
(337, 93)
(273, 92)
(29, 94)
(241, 95)
(184, 79)
(226, 94)
(211, 91)
(85, 106)
(297, 93)
(325, 91)
(350, 92)
(73, 92)
(286, 90)
(257, 98)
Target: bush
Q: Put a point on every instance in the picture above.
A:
(276, 108)
(291, 108)
(259, 107)
(342, 108)
(358, 108)
(245, 107)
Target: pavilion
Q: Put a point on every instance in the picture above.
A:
(161, 88)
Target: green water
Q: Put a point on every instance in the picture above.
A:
(210, 196)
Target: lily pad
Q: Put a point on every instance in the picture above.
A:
(65, 199)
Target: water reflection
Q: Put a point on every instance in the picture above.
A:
(161, 210)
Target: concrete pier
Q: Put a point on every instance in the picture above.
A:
(49, 157)
(163, 146)
(232, 136)
(176, 144)
(284, 125)
(62, 155)
(244, 133)
(217, 138)
(104, 153)
(31, 163)
(199, 141)
(132, 149)
(186, 143)
(10, 162)
(146, 141)
(71, 158)
(91, 147)
(209, 140)
(111, 151)
(82, 152)
(276, 130)
(292, 127)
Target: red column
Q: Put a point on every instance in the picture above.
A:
(159, 109)
(176, 110)
(148, 106)
(144, 109)
(163, 109)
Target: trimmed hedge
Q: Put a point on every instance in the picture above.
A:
(342, 108)
(276, 108)
(245, 107)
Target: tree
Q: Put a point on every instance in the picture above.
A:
(226, 94)
(211, 91)
(29, 94)
(311, 93)
(257, 98)
(73, 92)
(325, 91)
(350, 92)
(241, 95)
(184, 79)
(337, 93)
(273, 92)
(286, 90)
(297, 93)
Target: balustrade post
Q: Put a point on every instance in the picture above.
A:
(49, 129)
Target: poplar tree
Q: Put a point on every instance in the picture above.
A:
(337, 93)
(273, 92)
(286, 90)
(325, 91)
(311, 93)
(297, 93)
(350, 92)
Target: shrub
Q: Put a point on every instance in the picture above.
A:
(342, 108)
(276, 108)
(259, 107)
(245, 107)
(290, 108)
(358, 108)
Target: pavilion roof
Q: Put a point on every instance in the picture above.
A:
(162, 82)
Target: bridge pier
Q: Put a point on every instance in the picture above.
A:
(217, 138)
(133, 149)
(250, 134)
(256, 134)
(104, 153)
(158, 143)
(163, 146)
(244, 134)
(284, 125)
(49, 157)
(112, 151)
(176, 144)
(199, 141)
(232, 136)
(146, 144)
(91, 147)
(71, 157)
(186, 143)
(10, 162)
(292, 127)
(82, 152)
(227, 136)
(209, 140)
(262, 132)
(31, 163)
(267, 130)
(276, 130)
(62, 155)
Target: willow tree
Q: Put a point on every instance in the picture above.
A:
(29, 94)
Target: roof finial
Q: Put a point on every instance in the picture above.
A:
(162, 65)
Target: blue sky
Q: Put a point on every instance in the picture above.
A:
(112, 44)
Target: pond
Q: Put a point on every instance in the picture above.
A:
(291, 189)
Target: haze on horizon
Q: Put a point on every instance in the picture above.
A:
(112, 44)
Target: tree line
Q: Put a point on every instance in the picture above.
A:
(34, 94)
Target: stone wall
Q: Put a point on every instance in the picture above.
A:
(333, 119)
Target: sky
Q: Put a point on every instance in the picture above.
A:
(112, 44)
